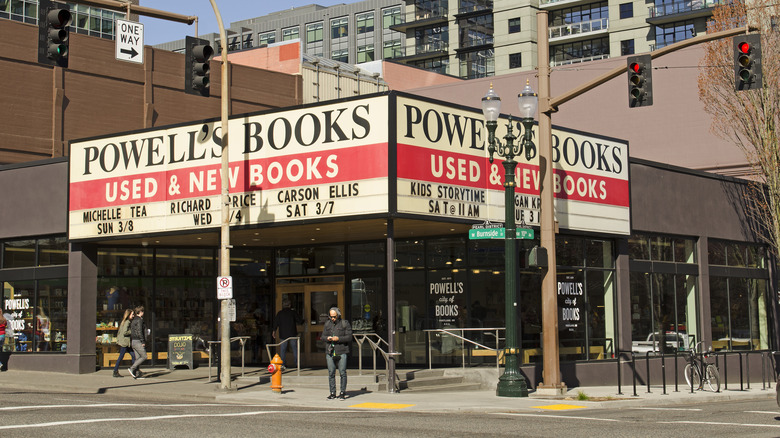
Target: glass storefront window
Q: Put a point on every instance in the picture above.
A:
(661, 249)
(717, 253)
(599, 254)
(19, 310)
(310, 261)
(53, 251)
(52, 315)
(411, 317)
(447, 252)
(190, 262)
(125, 262)
(684, 250)
(19, 253)
(569, 251)
(662, 312)
(409, 254)
(367, 256)
(639, 247)
(739, 316)
(251, 271)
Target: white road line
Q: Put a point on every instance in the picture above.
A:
(107, 405)
(715, 423)
(763, 412)
(163, 417)
(555, 416)
(670, 409)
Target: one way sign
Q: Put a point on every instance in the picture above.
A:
(129, 41)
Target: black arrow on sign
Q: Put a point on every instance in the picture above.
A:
(130, 52)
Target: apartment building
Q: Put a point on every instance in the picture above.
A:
(478, 38)
(350, 33)
(87, 20)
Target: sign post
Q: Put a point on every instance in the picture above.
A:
(129, 41)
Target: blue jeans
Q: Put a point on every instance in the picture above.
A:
(342, 358)
(283, 349)
(122, 352)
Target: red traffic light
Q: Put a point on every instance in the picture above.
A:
(635, 67)
(744, 47)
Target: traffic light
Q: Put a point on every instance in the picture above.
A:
(747, 62)
(53, 21)
(196, 66)
(640, 81)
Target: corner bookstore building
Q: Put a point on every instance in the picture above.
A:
(367, 204)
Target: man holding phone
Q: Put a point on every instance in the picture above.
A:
(337, 334)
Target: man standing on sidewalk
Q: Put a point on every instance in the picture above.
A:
(338, 335)
(138, 342)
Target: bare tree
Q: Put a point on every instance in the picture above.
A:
(748, 118)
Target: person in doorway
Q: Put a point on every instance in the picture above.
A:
(338, 336)
(138, 342)
(123, 340)
(286, 322)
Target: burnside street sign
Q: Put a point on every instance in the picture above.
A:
(499, 233)
(129, 41)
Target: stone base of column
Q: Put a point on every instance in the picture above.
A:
(553, 390)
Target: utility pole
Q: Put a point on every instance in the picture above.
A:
(224, 247)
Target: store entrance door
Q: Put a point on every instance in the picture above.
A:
(312, 302)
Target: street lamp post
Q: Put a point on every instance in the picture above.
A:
(511, 383)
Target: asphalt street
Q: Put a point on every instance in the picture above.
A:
(32, 413)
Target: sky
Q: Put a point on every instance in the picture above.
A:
(158, 31)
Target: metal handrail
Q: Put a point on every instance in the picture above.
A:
(487, 331)
(297, 347)
(375, 346)
(360, 338)
(242, 341)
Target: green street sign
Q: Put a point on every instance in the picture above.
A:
(499, 233)
(487, 233)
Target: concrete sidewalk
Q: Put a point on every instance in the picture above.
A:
(184, 385)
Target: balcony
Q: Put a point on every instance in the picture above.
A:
(675, 11)
(474, 42)
(430, 49)
(474, 8)
(422, 17)
(578, 29)
(557, 4)
(477, 69)
(578, 60)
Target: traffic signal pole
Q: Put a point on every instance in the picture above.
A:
(552, 383)
(554, 103)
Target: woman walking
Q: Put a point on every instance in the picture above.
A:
(123, 340)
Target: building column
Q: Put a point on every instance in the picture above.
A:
(82, 309)
(704, 313)
(623, 297)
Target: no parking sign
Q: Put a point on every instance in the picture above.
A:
(224, 288)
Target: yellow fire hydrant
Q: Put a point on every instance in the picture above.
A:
(275, 368)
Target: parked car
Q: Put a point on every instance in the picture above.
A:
(675, 341)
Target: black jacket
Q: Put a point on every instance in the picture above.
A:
(342, 329)
(138, 329)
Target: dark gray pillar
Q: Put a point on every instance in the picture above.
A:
(82, 308)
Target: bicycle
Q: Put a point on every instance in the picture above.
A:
(697, 367)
